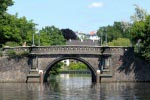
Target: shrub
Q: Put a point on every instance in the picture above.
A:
(1, 54)
(120, 42)
(12, 54)
(22, 54)
(11, 44)
(77, 66)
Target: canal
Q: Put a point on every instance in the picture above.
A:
(74, 87)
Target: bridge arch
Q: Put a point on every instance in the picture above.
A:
(49, 67)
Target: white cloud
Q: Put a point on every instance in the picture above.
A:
(96, 5)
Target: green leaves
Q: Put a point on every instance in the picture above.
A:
(117, 30)
(4, 5)
(77, 66)
(141, 32)
(120, 42)
(14, 29)
(51, 35)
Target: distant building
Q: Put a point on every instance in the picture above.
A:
(81, 35)
(92, 36)
(88, 36)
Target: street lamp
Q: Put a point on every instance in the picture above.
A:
(39, 39)
(101, 38)
(106, 38)
(33, 44)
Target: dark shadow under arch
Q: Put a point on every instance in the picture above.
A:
(48, 68)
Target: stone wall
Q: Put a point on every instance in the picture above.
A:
(13, 69)
(128, 67)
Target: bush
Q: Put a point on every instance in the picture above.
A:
(77, 66)
(22, 54)
(120, 42)
(12, 54)
(1, 54)
(11, 44)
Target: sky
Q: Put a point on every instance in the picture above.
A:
(78, 15)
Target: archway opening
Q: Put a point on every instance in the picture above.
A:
(69, 66)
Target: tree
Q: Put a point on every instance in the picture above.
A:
(117, 30)
(51, 35)
(141, 33)
(4, 5)
(140, 14)
(141, 37)
(69, 34)
(16, 30)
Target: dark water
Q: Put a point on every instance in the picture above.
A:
(74, 88)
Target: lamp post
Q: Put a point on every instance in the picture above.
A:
(106, 38)
(39, 39)
(101, 39)
(33, 44)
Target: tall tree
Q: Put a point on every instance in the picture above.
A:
(4, 5)
(141, 33)
(69, 34)
(51, 35)
(115, 31)
(140, 14)
(16, 30)
(141, 37)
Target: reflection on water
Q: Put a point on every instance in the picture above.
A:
(74, 88)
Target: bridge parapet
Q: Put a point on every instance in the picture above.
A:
(45, 50)
(67, 50)
(16, 49)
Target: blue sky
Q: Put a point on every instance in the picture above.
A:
(78, 15)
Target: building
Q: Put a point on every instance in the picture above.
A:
(92, 36)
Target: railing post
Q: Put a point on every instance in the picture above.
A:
(98, 79)
(41, 76)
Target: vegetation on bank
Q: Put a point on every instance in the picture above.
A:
(57, 68)
(1, 54)
(120, 42)
(14, 54)
(77, 66)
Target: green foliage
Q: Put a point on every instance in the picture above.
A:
(56, 68)
(22, 54)
(1, 54)
(14, 29)
(120, 42)
(77, 66)
(141, 35)
(4, 5)
(51, 35)
(117, 30)
(10, 44)
(13, 54)
(140, 14)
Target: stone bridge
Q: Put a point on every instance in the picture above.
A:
(101, 61)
